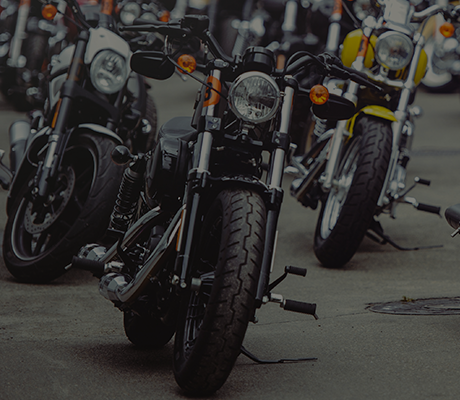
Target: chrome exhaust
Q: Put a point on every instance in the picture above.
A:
(120, 288)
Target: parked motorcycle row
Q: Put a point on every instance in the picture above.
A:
(180, 223)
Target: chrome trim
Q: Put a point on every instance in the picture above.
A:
(117, 288)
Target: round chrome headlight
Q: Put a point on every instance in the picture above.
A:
(254, 97)
(394, 50)
(129, 13)
(108, 72)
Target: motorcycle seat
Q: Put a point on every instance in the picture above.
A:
(178, 128)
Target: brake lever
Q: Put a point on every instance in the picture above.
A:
(356, 76)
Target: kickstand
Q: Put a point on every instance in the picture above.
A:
(376, 229)
(280, 361)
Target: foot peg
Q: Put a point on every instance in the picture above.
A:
(422, 207)
(290, 305)
(98, 268)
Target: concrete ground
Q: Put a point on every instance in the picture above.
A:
(64, 341)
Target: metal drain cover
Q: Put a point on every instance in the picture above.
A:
(442, 306)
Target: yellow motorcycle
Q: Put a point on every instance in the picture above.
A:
(357, 167)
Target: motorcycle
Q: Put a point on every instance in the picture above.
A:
(329, 23)
(357, 168)
(26, 45)
(443, 52)
(197, 216)
(63, 182)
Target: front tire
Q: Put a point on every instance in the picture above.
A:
(38, 249)
(349, 208)
(214, 319)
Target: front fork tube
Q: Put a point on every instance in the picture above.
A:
(274, 181)
(401, 115)
(19, 33)
(190, 222)
(333, 35)
(338, 138)
(58, 139)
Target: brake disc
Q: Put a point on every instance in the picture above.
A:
(54, 209)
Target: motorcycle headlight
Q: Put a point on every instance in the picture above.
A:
(129, 13)
(394, 50)
(108, 72)
(254, 97)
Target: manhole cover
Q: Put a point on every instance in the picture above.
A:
(443, 306)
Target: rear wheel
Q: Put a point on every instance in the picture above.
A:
(40, 239)
(214, 318)
(349, 208)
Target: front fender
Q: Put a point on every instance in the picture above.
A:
(36, 143)
(376, 111)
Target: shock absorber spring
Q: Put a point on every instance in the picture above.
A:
(320, 126)
(127, 199)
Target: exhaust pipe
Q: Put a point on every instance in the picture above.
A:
(118, 288)
(19, 133)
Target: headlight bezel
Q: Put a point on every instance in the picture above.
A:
(97, 65)
(237, 109)
(385, 40)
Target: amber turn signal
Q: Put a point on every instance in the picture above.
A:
(447, 29)
(319, 94)
(187, 62)
(164, 16)
(49, 12)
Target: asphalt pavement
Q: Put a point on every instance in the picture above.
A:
(63, 340)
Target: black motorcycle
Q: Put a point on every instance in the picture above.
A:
(65, 184)
(197, 217)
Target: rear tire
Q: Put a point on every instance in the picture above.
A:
(214, 320)
(38, 251)
(347, 212)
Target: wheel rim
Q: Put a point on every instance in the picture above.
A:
(339, 191)
(37, 231)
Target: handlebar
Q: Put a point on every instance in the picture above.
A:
(189, 26)
(332, 66)
(449, 12)
(197, 26)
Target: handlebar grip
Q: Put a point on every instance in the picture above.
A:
(428, 208)
(300, 307)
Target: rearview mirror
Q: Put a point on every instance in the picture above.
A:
(152, 64)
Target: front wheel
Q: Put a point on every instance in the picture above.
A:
(349, 208)
(40, 239)
(214, 318)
